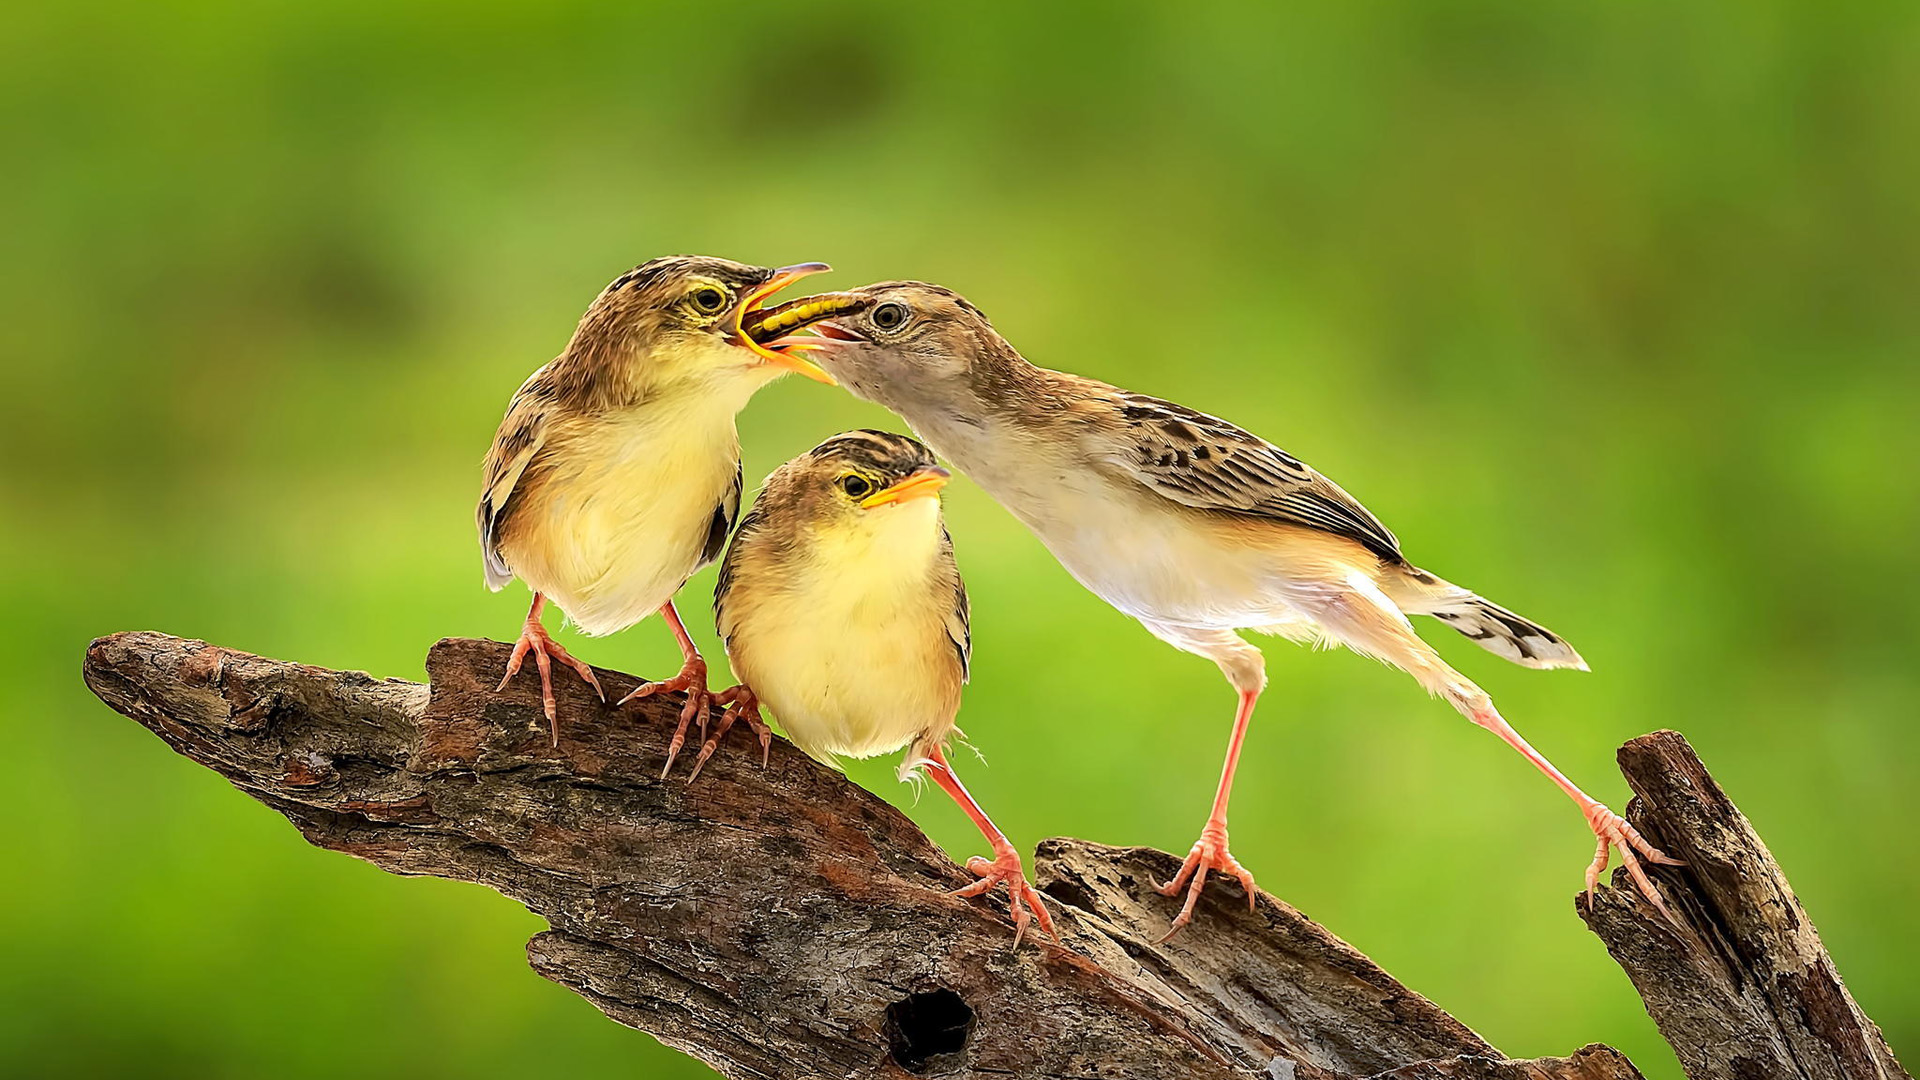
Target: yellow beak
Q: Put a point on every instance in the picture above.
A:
(781, 278)
(924, 484)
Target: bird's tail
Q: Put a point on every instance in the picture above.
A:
(1489, 625)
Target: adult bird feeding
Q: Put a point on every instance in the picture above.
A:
(1189, 524)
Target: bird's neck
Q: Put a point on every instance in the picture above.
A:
(1006, 394)
(1013, 431)
(614, 377)
(894, 547)
(1004, 381)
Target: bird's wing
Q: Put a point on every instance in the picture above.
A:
(1209, 464)
(724, 515)
(723, 589)
(521, 434)
(959, 626)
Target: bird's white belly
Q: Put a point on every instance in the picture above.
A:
(1159, 566)
(1145, 555)
(613, 535)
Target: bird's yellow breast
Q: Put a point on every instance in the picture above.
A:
(846, 641)
(619, 513)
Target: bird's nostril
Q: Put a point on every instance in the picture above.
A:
(927, 1032)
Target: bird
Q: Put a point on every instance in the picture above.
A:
(843, 612)
(616, 471)
(1189, 524)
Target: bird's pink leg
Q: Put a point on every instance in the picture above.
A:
(1005, 864)
(742, 704)
(692, 681)
(535, 639)
(1210, 852)
(1609, 828)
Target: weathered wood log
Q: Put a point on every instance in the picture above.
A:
(782, 922)
(1742, 988)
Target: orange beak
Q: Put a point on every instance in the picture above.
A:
(784, 356)
(924, 484)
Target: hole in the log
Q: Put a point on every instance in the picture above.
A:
(927, 1032)
(1070, 893)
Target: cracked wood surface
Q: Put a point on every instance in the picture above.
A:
(1742, 989)
(783, 922)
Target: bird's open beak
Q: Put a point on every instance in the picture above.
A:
(832, 332)
(924, 484)
(762, 331)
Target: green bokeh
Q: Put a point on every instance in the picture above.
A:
(1608, 310)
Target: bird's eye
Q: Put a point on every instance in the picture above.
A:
(708, 300)
(856, 486)
(889, 316)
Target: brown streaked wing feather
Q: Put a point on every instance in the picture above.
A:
(521, 433)
(959, 618)
(724, 515)
(743, 538)
(1206, 463)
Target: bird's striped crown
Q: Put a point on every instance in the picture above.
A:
(882, 452)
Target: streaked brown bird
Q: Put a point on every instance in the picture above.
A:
(842, 610)
(1189, 524)
(616, 472)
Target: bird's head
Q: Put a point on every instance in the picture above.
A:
(905, 342)
(859, 485)
(694, 320)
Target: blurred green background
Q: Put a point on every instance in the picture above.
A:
(1609, 312)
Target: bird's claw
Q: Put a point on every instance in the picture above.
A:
(1209, 853)
(741, 704)
(1612, 830)
(1022, 898)
(692, 681)
(535, 639)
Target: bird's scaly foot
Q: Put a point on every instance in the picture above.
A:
(1209, 853)
(535, 639)
(1022, 898)
(692, 681)
(741, 705)
(1613, 831)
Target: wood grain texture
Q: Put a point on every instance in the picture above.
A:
(782, 922)
(1742, 989)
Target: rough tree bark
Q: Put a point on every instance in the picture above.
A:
(782, 922)
(1742, 988)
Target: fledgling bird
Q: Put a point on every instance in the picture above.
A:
(1189, 524)
(616, 472)
(842, 610)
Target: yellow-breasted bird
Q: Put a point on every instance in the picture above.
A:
(1189, 524)
(842, 611)
(616, 472)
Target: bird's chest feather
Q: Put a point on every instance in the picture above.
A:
(623, 515)
(850, 649)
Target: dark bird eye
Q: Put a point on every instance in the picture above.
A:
(855, 486)
(709, 300)
(890, 316)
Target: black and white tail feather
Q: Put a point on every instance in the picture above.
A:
(1492, 627)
